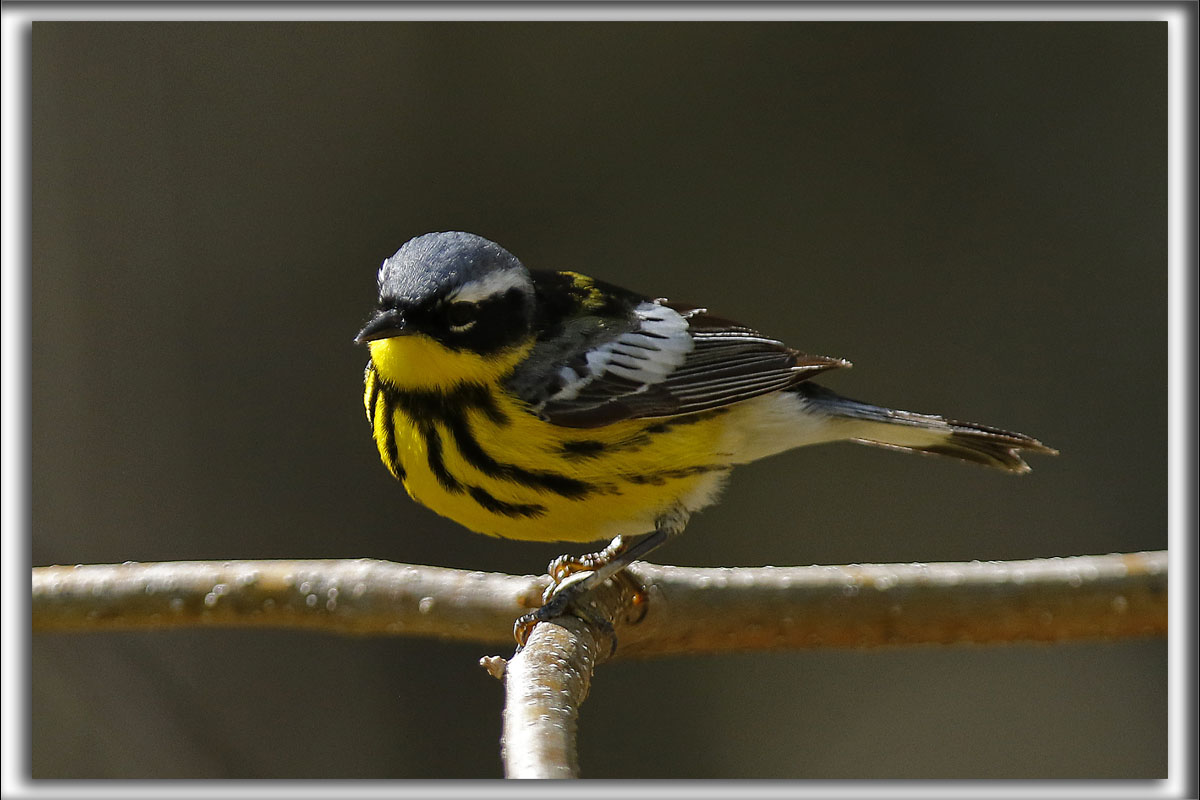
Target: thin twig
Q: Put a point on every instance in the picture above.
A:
(547, 681)
(690, 610)
(544, 686)
(870, 605)
(363, 596)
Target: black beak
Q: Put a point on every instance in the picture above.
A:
(384, 325)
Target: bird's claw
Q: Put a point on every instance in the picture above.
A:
(562, 598)
(574, 578)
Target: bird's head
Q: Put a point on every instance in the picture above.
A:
(453, 306)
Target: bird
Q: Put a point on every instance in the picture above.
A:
(546, 405)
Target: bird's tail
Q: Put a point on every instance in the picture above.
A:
(922, 433)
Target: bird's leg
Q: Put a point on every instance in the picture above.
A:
(573, 577)
(567, 565)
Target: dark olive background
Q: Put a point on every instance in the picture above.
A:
(975, 214)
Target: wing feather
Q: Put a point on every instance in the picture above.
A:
(665, 360)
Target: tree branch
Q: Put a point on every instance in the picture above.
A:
(363, 596)
(544, 686)
(690, 610)
(1052, 599)
(547, 681)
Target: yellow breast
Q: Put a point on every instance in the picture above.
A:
(470, 451)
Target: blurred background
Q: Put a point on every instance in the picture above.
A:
(974, 213)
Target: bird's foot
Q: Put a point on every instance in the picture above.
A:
(573, 579)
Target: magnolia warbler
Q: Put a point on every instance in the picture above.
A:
(546, 406)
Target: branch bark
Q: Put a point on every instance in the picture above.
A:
(362, 596)
(690, 609)
(870, 605)
(544, 686)
(547, 681)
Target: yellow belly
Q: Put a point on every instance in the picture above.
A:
(481, 458)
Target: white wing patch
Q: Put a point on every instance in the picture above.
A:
(645, 356)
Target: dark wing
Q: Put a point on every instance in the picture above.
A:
(669, 360)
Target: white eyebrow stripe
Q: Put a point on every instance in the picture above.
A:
(491, 285)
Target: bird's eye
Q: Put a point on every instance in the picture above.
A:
(461, 315)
